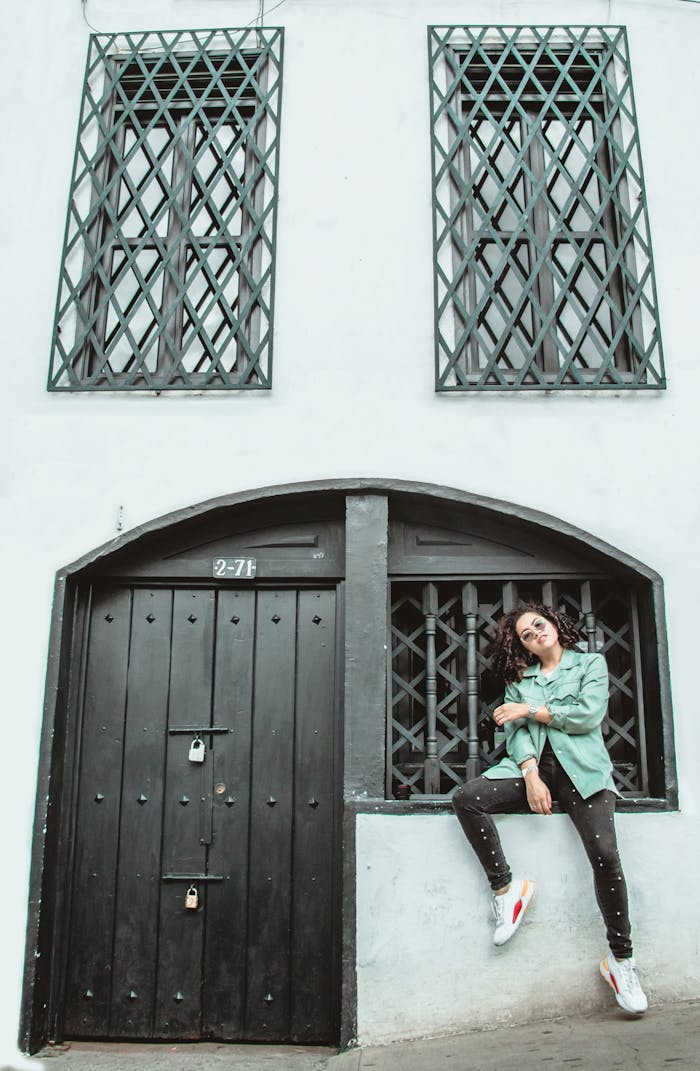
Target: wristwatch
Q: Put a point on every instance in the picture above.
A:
(532, 710)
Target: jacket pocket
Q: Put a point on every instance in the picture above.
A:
(567, 686)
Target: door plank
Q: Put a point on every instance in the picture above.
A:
(178, 996)
(88, 984)
(269, 918)
(226, 936)
(313, 992)
(138, 881)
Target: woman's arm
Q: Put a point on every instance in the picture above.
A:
(539, 798)
(521, 748)
(519, 743)
(515, 711)
(583, 713)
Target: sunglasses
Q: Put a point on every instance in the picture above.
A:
(528, 634)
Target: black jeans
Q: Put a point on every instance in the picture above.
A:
(594, 819)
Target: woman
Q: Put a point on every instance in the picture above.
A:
(555, 702)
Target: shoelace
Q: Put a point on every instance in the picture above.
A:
(498, 908)
(628, 971)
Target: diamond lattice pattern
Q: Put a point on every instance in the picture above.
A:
(168, 264)
(542, 251)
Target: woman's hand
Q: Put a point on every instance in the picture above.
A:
(510, 712)
(539, 797)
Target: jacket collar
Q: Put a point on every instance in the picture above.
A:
(568, 659)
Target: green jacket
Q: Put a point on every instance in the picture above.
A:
(577, 696)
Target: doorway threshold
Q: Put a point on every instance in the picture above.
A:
(183, 1056)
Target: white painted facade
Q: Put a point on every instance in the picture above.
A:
(353, 396)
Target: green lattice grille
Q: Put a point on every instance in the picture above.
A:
(168, 265)
(441, 635)
(543, 265)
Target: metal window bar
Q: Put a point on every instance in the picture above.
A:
(625, 199)
(254, 214)
(431, 769)
(543, 268)
(636, 657)
(167, 275)
(442, 691)
(470, 606)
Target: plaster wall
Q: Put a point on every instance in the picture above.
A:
(426, 964)
(353, 396)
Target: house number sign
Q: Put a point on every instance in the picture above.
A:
(234, 568)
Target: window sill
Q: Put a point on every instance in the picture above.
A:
(441, 805)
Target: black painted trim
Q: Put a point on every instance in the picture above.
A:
(669, 746)
(43, 884)
(424, 805)
(348, 1016)
(366, 585)
(587, 543)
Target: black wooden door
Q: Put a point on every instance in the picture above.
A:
(252, 829)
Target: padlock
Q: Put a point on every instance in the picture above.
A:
(197, 750)
(192, 899)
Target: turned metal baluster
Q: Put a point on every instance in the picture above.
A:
(588, 616)
(470, 606)
(549, 594)
(509, 595)
(431, 764)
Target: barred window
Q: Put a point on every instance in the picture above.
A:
(443, 691)
(543, 263)
(168, 263)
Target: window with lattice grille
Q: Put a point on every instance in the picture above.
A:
(443, 691)
(543, 266)
(168, 264)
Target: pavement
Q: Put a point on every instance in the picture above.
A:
(667, 1038)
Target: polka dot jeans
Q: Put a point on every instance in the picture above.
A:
(594, 819)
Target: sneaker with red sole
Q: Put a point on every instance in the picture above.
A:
(509, 908)
(621, 976)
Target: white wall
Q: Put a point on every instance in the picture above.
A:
(353, 396)
(426, 964)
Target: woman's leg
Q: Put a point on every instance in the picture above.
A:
(473, 804)
(594, 819)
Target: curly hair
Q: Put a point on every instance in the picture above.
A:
(509, 656)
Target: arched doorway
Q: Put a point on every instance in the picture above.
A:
(261, 625)
(199, 840)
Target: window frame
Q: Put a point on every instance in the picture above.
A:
(440, 730)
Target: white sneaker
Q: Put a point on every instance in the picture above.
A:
(621, 976)
(509, 909)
